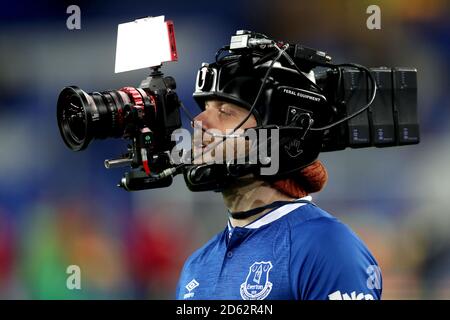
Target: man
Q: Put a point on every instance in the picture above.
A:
(297, 251)
(277, 244)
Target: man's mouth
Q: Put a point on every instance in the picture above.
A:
(199, 144)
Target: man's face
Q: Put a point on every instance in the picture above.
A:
(220, 117)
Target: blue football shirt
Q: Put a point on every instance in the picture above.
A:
(296, 251)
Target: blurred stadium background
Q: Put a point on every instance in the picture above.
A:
(59, 208)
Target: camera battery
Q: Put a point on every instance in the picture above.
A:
(405, 105)
(355, 95)
(381, 111)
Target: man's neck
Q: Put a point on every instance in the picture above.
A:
(248, 193)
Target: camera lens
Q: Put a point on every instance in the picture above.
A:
(73, 111)
(99, 115)
(75, 119)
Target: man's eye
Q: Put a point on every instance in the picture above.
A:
(224, 111)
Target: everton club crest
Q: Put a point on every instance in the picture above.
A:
(257, 285)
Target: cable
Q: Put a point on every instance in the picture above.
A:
(251, 108)
(186, 111)
(292, 63)
(250, 112)
(366, 106)
(353, 65)
(374, 93)
(224, 136)
(281, 52)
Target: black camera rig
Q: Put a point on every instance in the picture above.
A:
(339, 106)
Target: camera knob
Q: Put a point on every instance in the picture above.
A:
(170, 82)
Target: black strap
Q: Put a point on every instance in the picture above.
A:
(246, 214)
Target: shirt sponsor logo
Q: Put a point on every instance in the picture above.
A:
(257, 285)
(189, 287)
(337, 295)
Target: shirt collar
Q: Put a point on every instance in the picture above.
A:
(272, 215)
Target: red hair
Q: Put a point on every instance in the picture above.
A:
(310, 179)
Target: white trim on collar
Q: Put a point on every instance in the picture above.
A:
(276, 214)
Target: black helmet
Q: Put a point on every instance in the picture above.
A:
(288, 100)
(238, 79)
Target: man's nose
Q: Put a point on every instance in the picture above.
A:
(201, 117)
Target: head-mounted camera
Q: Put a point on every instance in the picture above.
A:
(315, 105)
